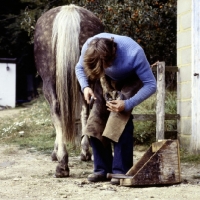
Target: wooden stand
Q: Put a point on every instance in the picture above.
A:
(160, 165)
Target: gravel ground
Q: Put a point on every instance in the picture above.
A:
(28, 174)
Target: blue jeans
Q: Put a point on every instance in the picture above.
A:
(122, 160)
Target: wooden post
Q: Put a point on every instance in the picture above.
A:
(160, 108)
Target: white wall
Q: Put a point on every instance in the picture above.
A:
(188, 61)
(184, 53)
(7, 84)
(195, 77)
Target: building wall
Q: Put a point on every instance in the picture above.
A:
(184, 63)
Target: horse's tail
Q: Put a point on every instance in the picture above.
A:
(65, 49)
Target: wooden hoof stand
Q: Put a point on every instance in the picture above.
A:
(160, 165)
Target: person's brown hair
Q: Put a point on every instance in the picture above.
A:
(99, 55)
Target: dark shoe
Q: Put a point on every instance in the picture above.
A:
(115, 181)
(97, 178)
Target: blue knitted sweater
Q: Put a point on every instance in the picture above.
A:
(130, 58)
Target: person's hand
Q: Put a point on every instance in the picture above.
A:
(88, 94)
(115, 105)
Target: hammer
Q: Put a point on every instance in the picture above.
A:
(118, 176)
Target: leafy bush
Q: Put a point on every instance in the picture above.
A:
(152, 23)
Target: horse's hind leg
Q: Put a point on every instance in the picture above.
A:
(59, 153)
(62, 169)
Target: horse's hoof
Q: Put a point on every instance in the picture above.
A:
(53, 156)
(61, 171)
(86, 157)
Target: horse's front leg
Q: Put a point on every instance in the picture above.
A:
(109, 92)
(85, 150)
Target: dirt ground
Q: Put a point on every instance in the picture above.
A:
(28, 174)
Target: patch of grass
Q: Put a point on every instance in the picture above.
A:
(145, 131)
(171, 108)
(187, 157)
(34, 121)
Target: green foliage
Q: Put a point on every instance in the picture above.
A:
(17, 22)
(145, 132)
(171, 102)
(187, 157)
(152, 23)
(171, 108)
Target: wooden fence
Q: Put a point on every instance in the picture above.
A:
(160, 115)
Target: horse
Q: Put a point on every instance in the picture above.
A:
(58, 39)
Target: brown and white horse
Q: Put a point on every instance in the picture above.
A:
(59, 36)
